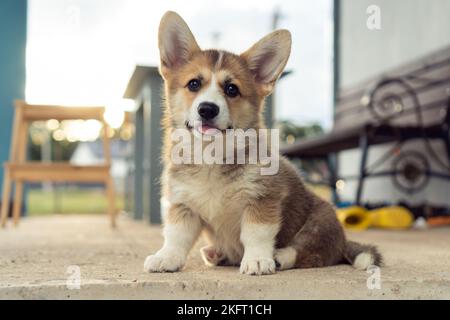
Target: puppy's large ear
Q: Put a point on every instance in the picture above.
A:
(268, 57)
(175, 40)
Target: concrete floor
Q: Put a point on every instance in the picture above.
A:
(35, 256)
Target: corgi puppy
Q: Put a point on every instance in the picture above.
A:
(261, 223)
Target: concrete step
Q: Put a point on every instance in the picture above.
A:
(38, 260)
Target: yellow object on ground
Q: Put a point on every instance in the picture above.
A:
(393, 217)
(354, 218)
(358, 218)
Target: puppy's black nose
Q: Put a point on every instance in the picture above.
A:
(208, 110)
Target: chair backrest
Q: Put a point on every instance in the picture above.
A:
(26, 113)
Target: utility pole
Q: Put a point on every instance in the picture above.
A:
(216, 35)
(276, 16)
(269, 112)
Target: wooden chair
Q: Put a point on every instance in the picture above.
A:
(19, 171)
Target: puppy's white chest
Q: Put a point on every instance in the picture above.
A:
(207, 194)
(220, 201)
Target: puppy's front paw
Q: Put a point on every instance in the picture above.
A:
(163, 262)
(257, 266)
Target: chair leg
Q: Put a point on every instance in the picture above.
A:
(17, 206)
(111, 198)
(5, 198)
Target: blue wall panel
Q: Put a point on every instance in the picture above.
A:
(13, 31)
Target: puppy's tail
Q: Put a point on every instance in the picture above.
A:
(361, 256)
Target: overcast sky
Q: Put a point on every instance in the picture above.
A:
(83, 51)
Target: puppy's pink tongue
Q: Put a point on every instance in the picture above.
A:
(204, 128)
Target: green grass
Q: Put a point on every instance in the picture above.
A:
(90, 201)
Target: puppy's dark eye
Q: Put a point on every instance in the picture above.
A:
(231, 90)
(194, 85)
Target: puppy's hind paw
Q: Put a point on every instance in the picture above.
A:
(211, 255)
(285, 258)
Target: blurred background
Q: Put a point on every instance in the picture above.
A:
(82, 52)
(332, 105)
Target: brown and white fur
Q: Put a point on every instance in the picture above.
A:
(260, 222)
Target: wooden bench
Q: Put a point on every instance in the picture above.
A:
(19, 171)
(408, 102)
